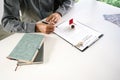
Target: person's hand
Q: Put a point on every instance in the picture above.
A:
(44, 28)
(53, 18)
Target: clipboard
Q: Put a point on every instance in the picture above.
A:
(81, 36)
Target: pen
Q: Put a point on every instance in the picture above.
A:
(45, 22)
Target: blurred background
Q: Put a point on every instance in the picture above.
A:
(112, 2)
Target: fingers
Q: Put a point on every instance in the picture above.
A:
(49, 18)
(49, 29)
(44, 28)
(53, 18)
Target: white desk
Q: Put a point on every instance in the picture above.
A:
(64, 62)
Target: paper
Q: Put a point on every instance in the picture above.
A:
(81, 36)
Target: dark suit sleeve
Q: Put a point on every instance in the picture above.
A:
(11, 18)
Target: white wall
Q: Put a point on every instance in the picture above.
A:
(1, 10)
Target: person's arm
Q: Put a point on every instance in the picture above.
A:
(64, 6)
(61, 8)
(11, 18)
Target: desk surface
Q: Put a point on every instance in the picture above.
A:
(64, 62)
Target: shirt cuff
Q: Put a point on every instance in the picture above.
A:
(61, 12)
(30, 27)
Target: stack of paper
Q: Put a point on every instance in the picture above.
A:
(81, 36)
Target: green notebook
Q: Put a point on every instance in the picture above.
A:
(38, 59)
(29, 49)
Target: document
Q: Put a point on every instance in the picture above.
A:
(114, 18)
(80, 36)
